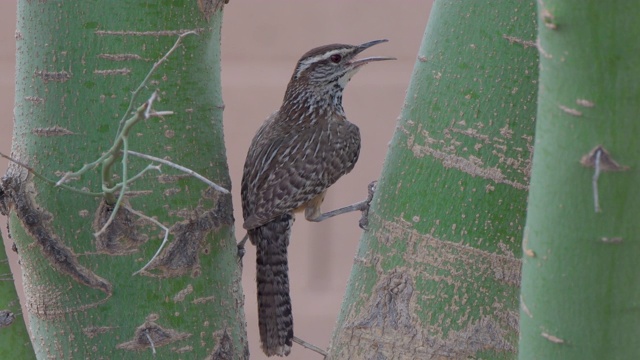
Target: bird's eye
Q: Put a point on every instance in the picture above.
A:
(336, 58)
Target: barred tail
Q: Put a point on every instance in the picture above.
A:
(272, 275)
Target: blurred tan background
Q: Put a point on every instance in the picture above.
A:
(261, 42)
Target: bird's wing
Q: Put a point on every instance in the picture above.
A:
(283, 173)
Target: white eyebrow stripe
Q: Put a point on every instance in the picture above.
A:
(304, 64)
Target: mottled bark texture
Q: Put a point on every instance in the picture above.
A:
(78, 64)
(437, 274)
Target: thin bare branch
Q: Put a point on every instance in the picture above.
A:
(164, 240)
(310, 346)
(181, 168)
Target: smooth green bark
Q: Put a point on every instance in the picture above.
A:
(14, 338)
(78, 63)
(580, 270)
(437, 274)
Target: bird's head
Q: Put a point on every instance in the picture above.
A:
(333, 65)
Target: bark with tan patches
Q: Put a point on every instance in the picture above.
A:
(70, 98)
(437, 274)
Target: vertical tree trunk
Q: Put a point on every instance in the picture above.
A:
(14, 338)
(580, 269)
(437, 274)
(78, 64)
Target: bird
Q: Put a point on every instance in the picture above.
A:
(295, 156)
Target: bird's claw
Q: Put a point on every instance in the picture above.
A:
(364, 220)
(241, 250)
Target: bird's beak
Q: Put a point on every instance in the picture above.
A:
(363, 47)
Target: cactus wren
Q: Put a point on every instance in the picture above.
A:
(299, 151)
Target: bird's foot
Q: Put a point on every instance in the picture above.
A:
(241, 250)
(364, 220)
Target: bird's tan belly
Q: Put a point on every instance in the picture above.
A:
(312, 207)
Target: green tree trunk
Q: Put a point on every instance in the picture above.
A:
(78, 64)
(437, 274)
(580, 270)
(14, 338)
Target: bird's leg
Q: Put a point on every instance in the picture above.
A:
(241, 250)
(313, 213)
(361, 206)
